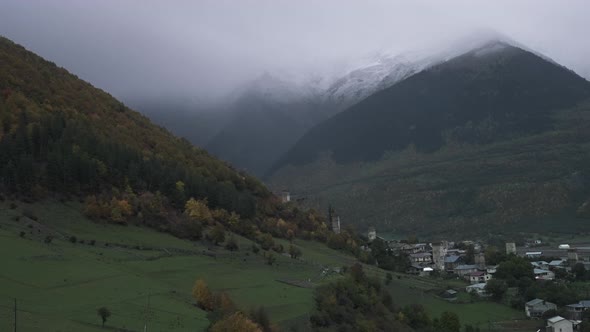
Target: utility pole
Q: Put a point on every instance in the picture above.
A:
(147, 312)
(15, 314)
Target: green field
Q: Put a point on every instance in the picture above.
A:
(59, 286)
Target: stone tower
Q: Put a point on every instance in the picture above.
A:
(372, 234)
(336, 224)
(439, 252)
(572, 255)
(510, 248)
(480, 260)
(285, 196)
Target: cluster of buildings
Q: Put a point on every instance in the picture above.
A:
(445, 257)
(573, 312)
(426, 258)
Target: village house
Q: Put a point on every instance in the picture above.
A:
(420, 270)
(540, 265)
(421, 257)
(575, 311)
(452, 261)
(462, 270)
(559, 324)
(478, 277)
(533, 254)
(455, 252)
(558, 264)
(541, 274)
(416, 248)
(479, 289)
(537, 307)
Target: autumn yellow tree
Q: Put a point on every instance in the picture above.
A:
(234, 323)
(202, 295)
(198, 210)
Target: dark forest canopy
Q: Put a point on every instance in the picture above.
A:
(60, 135)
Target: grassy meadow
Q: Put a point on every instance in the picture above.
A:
(60, 285)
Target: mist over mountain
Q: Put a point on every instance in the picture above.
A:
(266, 116)
(500, 88)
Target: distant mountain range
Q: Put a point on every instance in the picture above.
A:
(263, 119)
(493, 92)
(481, 132)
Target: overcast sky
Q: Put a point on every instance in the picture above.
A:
(205, 48)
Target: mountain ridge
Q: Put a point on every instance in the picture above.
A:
(474, 67)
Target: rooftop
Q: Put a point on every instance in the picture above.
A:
(535, 302)
(421, 254)
(556, 262)
(466, 267)
(555, 319)
(452, 259)
(481, 285)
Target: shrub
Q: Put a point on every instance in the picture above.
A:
(388, 278)
(13, 206)
(270, 259)
(92, 242)
(48, 239)
(22, 234)
(73, 239)
(255, 248)
(278, 248)
(232, 244)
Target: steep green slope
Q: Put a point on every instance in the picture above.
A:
(61, 136)
(489, 94)
(536, 183)
(57, 123)
(60, 285)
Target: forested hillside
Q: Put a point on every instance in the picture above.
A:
(59, 135)
(489, 141)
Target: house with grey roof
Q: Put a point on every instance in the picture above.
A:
(537, 307)
(558, 263)
(452, 261)
(559, 324)
(421, 257)
(576, 311)
(463, 270)
(479, 289)
(542, 274)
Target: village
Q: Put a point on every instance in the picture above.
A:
(452, 260)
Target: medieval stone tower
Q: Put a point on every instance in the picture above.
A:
(439, 252)
(336, 224)
(480, 260)
(371, 234)
(510, 248)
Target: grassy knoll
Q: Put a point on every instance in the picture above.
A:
(59, 286)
